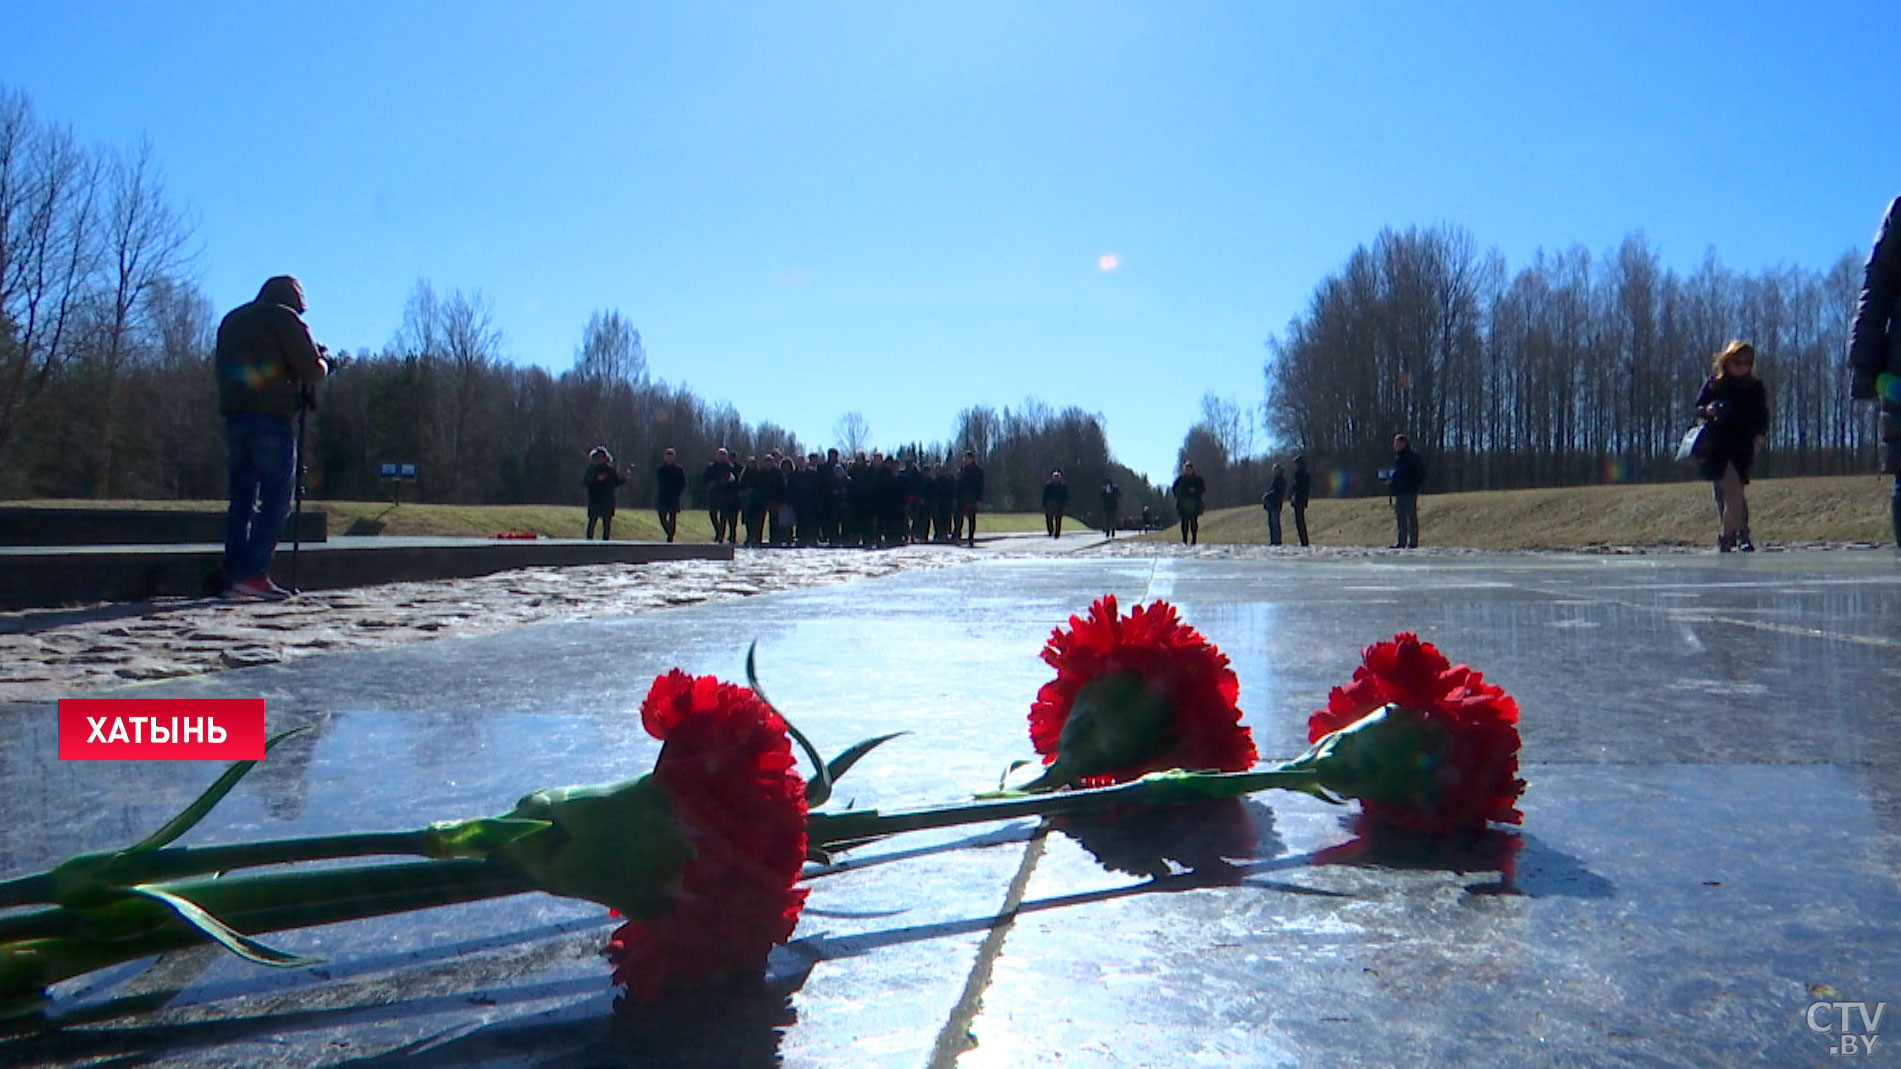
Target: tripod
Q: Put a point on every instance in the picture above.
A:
(305, 402)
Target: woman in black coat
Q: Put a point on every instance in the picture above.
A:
(1736, 406)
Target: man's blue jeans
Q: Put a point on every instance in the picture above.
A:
(261, 458)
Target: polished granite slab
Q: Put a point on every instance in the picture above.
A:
(1710, 846)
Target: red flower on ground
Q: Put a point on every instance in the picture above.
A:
(1136, 694)
(738, 800)
(1476, 768)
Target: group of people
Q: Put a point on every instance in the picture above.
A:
(812, 500)
(268, 365)
(603, 481)
(1280, 491)
(1056, 505)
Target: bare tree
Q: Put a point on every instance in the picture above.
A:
(610, 350)
(1230, 424)
(457, 346)
(977, 428)
(1578, 369)
(143, 241)
(853, 432)
(49, 190)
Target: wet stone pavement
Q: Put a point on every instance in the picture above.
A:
(1710, 846)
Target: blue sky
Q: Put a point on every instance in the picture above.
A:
(903, 209)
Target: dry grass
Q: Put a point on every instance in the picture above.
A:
(1847, 508)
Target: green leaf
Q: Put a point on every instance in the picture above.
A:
(819, 788)
(214, 794)
(1005, 778)
(231, 939)
(843, 762)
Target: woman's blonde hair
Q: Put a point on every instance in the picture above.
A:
(1719, 366)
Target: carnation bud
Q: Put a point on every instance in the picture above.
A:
(615, 844)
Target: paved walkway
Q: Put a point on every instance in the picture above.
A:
(1710, 849)
(48, 653)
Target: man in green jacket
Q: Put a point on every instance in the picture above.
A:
(267, 363)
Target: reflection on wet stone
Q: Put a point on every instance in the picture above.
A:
(1205, 837)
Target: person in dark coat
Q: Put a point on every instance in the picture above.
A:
(970, 495)
(266, 363)
(669, 482)
(946, 517)
(1409, 477)
(1302, 489)
(1736, 405)
(721, 479)
(1271, 501)
(1055, 501)
(863, 499)
(808, 494)
(927, 490)
(891, 491)
(603, 481)
(917, 516)
(1189, 488)
(752, 501)
(1111, 507)
(1874, 347)
(781, 518)
(837, 504)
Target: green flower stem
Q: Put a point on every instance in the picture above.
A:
(97, 878)
(55, 944)
(1161, 788)
(152, 866)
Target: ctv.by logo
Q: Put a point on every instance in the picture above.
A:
(1852, 1026)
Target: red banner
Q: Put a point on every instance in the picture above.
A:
(161, 729)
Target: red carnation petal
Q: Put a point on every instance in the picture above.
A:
(1172, 660)
(728, 769)
(1478, 780)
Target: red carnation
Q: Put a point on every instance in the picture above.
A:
(737, 799)
(1474, 749)
(1132, 695)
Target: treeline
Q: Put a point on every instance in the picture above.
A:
(1574, 369)
(106, 387)
(1020, 448)
(481, 429)
(97, 323)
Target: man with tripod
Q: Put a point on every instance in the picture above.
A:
(268, 367)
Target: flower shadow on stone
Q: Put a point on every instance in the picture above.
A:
(1525, 865)
(739, 1024)
(1206, 838)
(1376, 844)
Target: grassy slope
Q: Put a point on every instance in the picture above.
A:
(1849, 508)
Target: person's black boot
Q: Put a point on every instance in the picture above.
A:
(1743, 543)
(1722, 544)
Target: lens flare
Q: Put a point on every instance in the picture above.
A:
(1888, 387)
(1617, 470)
(1108, 262)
